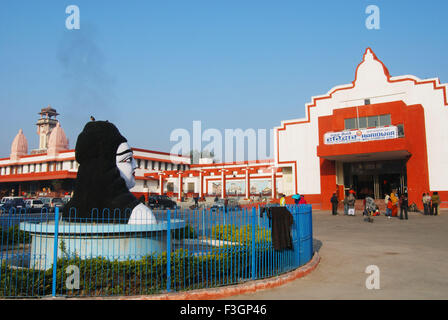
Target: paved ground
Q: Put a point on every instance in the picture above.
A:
(412, 256)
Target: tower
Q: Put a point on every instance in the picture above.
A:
(45, 126)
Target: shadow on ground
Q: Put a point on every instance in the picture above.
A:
(317, 244)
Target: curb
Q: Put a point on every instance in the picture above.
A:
(248, 287)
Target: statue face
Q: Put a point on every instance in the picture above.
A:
(126, 164)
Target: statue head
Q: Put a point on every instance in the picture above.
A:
(126, 164)
(105, 173)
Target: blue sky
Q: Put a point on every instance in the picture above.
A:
(153, 66)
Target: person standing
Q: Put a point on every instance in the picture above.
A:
(334, 204)
(404, 206)
(196, 200)
(394, 200)
(389, 208)
(351, 200)
(426, 203)
(386, 200)
(297, 198)
(435, 200)
(282, 200)
(346, 205)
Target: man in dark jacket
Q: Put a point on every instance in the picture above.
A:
(404, 205)
(334, 204)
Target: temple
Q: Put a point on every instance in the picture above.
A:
(51, 169)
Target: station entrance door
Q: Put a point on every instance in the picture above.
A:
(375, 178)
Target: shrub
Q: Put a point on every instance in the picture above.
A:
(187, 232)
(14, 236)
(148, 275)
(242, 234)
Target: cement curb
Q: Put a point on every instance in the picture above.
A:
(248, 287)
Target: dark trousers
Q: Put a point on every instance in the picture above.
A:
(334, 208)
(405, 209)
(435, 209)
(426, 208)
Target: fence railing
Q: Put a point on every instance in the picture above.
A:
(46, 254)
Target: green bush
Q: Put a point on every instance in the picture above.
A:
(148, 275)
(225, 232)
(187, 232)
(14, 236)
(242, 234)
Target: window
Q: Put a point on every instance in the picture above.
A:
(400, 129)
(373, 122)
(146, 164)
(350, 124)
(385, 120)
(367, 122)
(366, 101)
(363, 122)
(139, 162)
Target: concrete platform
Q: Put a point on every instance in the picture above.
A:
(412, 256)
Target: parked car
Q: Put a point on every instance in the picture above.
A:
(16, 203)
(52, 203)
(161, 202)
(66, 199)
(221, 204)
(34, 203)
(4, 199)
(45, 201)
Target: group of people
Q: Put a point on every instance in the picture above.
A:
(349, 203)
(393, 201)
(298, 199)
(431, 203)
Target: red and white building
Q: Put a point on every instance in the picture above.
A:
(51, 169)
(222, 180)
(376, 134)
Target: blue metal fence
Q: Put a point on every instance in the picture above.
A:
(49, 254)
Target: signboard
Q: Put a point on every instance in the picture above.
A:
(361, 135)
